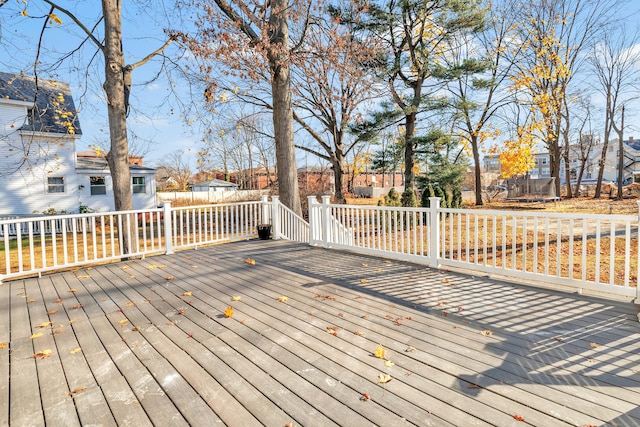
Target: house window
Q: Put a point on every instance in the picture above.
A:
(55, 184)
(98, 185)
(138, 184)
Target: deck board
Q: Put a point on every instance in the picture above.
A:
(145, 342)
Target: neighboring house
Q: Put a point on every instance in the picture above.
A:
(214, 185)
(39, 168)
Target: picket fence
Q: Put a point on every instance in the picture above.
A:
(595, 252)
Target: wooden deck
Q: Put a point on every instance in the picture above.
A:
(146, 343)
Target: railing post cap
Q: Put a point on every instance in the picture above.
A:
(275, 197)
(326, 199)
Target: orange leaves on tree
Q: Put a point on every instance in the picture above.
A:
(380, 352)
(228, 312)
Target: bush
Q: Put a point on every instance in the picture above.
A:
(456, 198)
(409, 198)
(426, 193)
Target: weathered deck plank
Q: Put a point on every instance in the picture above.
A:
(155, 347)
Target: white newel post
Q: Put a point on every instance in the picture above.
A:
(434, 229)
(313, 220)
(326, 223)
(265, 210)
(168, 229)
(275, 217)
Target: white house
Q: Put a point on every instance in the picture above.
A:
(214, 185)
(39, 167)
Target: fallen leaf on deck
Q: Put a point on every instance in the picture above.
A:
(152, 266)
(170, 323)
(409, 349)
(125, 267)
(57, 332)
(77, 390)
(358, 333)
(194, 266)
(388, 363)
(558, 339)
(363, 281)
(441, 304)
(473, 386)
(380, 352)
(75, 307)
(187, 294)
(364, 264)
(378, 270)
(129, 304)
(83, 276)
(45, 324)
(594, 344)
(76, 350)
(518, 417)
(36, 335)
(123, 321)
(250, 261)
(283, 299)
(59, 301)
(228, 312)
(384, 378)
(445, 280)
(444, 314)
(3, 345)
(486, 333)
(235, 298)
(43, 354)
(288, 425)
(387, 262)
(52, 312)
(365, 397)
(132, 277)
(169, 278)
(30, 301)
(333, 330)
(181, 312)
(73, 290)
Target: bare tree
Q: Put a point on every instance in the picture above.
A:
(176, 167)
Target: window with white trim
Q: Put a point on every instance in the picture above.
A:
(55, 184)
(139, 185)
(97, 185)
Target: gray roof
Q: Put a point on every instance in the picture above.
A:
(52, 100)
(100, 164)
(215, 183)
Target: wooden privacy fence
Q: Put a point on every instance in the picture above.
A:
(596, 252)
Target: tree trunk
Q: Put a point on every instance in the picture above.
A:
(478, 175)
(409, 152)
(282, 109)
(114, 86)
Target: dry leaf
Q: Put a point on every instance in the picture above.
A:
(558, 339)
(126, 267)
(76, 350)
(36, 335)
(170, 323)
(83, 276)
(123, 321)
(445, 280)
(181, 312)
(73, 290)
(228, 312)
(594, 344)
(380, 352)
(363, 281)
(333, 330)
(57, 332)
(388, 363)
(288, 425)
(50, 312)
(486, 333)
(358, 333)
(250, 261)
(30, 301)
(518, 417)
(283, 299)
(129, 304)
(187, 294)
(409, 349)
(194, 266)
(169, 278)
(365, 397)
(235, 298)
(3, 345)
(152, 266)
(77, 390)
(473, 386)
(45, 324)
(132, 277)
(384, 378)
(59, 301)
(43, 354)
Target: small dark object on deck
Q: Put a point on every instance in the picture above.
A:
(264, 231)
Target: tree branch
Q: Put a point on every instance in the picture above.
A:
(151, 55)
(78, 23)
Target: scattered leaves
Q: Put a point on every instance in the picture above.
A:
(187, 294)
(123, 321)
(59, 301)
(486, 333)
(283, 299)
(363, 281)
(181, 312)
(594, 344)
(36, 335)
(30, 301)
(77, 390)
(358, 333)
(380, 352)
(45, 324)
(445, 280)
(42, 354)
(560, 339)
(169, 277)
(250, 261)
(384, 378)
(518, 417)
(76, 350)
(73, 290)
(50, 312)
(235, 298)
(57, 332)
(333, 330)
(129, 304)
(365, 397)
(228, 312)
(388, 363)
(75, 307)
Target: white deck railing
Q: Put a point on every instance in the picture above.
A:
(581, 251)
